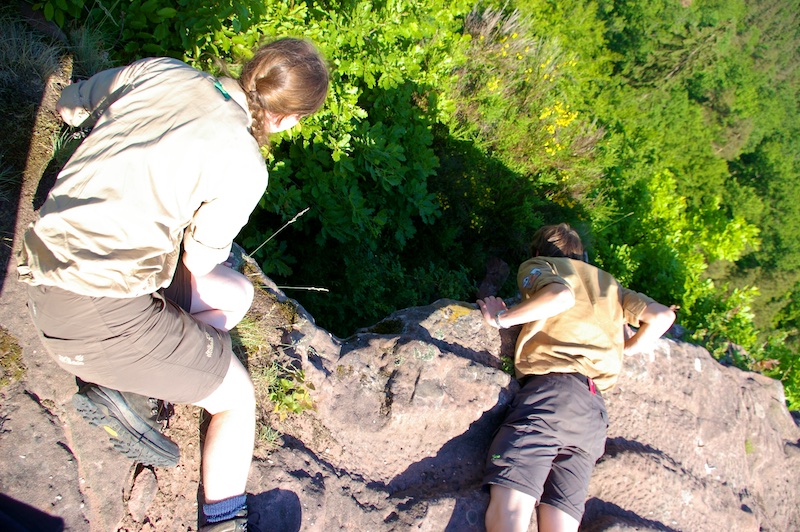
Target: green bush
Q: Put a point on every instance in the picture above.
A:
(665, 131)
(59, 11)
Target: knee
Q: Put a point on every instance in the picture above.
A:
(247, 293)
(236, 393)
(497, 517)
(240, 399)
(492, 517)
(240, 294)
(243, 395)
(508, 509)
(248, 399)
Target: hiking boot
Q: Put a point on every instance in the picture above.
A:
(134, 423)
(236, 524)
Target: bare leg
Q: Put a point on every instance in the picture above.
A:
(228, 449)
(551, 519)
(509, 510)
(221, 298)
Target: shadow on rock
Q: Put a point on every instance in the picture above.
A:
(618, 446)
(278, 510)
(458, 466)
(456, 470)
(16, 516)
(601, 515)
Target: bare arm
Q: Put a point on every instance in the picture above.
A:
(551, 300)
(79, 101)
(655, 321)
(208, 239)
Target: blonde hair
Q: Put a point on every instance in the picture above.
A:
(557, 241)
(284, 78)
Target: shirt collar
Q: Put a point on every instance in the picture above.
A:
(238, 95)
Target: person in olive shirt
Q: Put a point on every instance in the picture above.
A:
(569, 352)
(125, 263)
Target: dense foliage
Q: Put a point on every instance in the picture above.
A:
(666, 131)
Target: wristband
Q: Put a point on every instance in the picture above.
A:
(497, 318)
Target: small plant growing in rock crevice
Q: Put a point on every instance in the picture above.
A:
(13, 368)
(268, 436)
(507, 365)
(289, 391)
(749, 447)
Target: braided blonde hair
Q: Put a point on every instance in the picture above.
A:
(284, 78)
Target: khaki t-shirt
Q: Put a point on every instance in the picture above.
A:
(589, 337)
(169, 160)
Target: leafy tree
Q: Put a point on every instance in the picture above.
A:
(666, 131)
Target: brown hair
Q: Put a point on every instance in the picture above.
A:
(284, 78)
(557, 241)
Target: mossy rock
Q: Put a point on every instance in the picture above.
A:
(11, 357)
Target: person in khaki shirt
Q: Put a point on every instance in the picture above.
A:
(124, 264)
(569, 352)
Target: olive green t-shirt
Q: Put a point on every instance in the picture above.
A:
(588, 338)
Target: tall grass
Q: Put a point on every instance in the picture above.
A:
(9, 181)
(89, 47)
(24, 53)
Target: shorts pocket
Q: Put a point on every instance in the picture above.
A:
(601, 430)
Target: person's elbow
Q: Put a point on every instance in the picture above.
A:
(199, 257)
(200, 261)
(70, 108)
(72, 116)
(658, 317)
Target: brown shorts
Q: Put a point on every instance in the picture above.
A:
(179, 290)
(552, 436)
(146, 345)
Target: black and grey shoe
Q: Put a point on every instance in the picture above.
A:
(133, 421)
(236, 524)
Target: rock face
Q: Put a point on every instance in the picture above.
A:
(696, 446)
(408, 407)
(404, 413)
